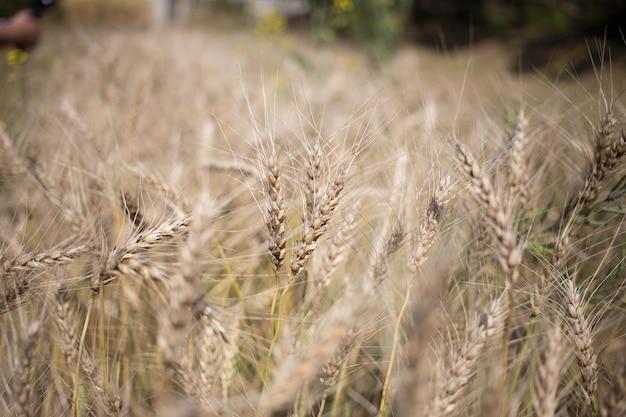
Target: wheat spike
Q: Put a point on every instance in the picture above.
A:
(318, 223)
(581, 333)
(464, 366)
(509, 253)
(548, 375)
(609, 147)
(277, 218)
(429, 227)
(22, 380)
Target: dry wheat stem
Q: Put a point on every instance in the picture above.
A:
(415, 388)
(69, 344)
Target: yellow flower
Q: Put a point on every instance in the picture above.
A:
(271, 23)
(16, 57)
(344, 5)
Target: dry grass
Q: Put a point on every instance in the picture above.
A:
(156, 183)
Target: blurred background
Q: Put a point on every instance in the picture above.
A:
(377, 25)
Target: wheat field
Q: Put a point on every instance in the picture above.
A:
(203, 221)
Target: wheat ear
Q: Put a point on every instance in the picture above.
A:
(318, 223)
(210, 338)
(507, 249)
(548, 375)
(276, 213)
(17, 272)
(176, 202)
(518, 169)
(184, 294)
(581, 333)
(327, 336)
(125, 259)
(391, 246)
(22, 378)
(463, 368)
(429, 227)
(313, 173)
(333, 256)
(609, 147)
(36, 260)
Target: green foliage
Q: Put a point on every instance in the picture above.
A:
(375, 25)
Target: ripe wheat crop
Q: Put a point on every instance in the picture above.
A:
(287, 231)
